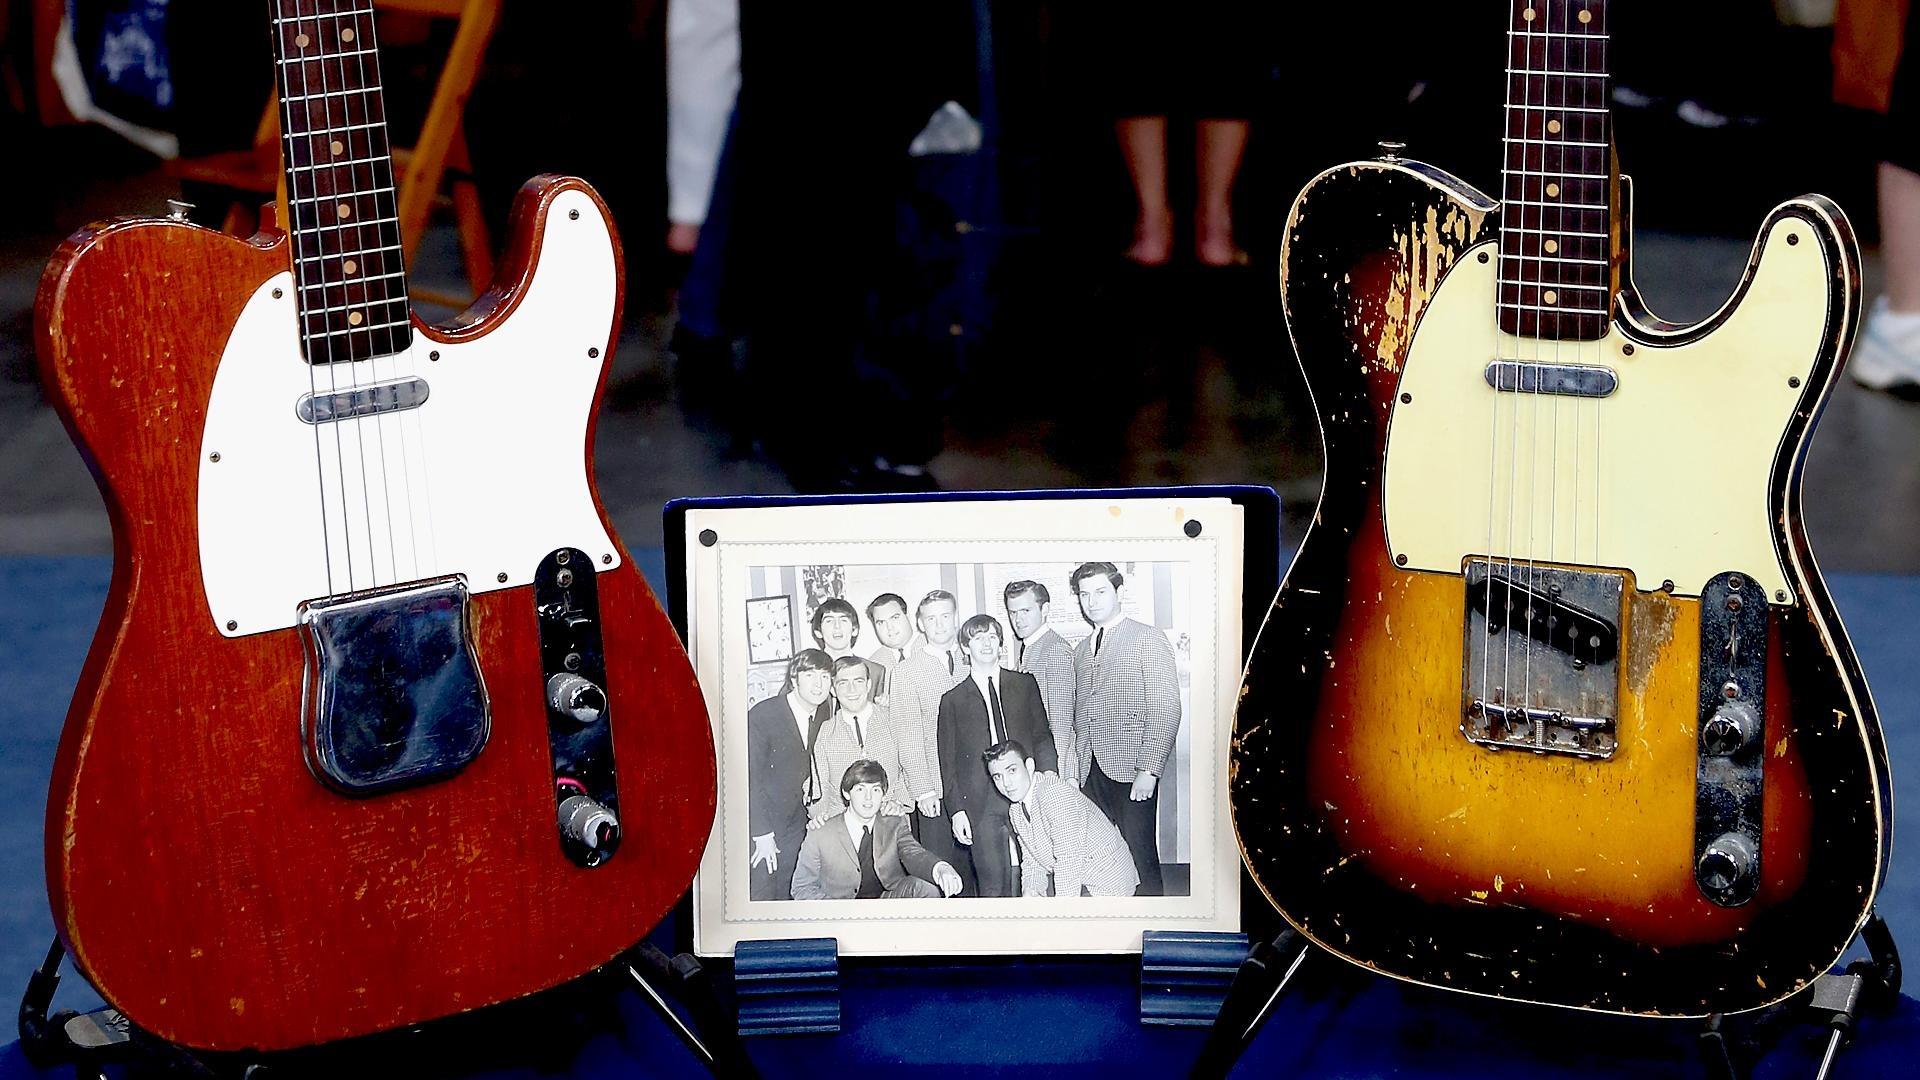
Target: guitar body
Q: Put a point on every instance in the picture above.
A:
(202, 876)
(1365, 811)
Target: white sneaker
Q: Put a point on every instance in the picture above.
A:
(1887, 356)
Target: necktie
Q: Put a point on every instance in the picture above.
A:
(1023, 656)
(996, 727)
(901, 653)
(949, 664)
(1098, 636)
(869, 877)
(860, 734)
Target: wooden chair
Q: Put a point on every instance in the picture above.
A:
(440, 154)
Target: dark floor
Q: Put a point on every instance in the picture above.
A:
(1202, 390)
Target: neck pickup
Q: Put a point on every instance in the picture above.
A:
(1567, 380)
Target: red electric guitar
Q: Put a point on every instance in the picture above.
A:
(381, 724)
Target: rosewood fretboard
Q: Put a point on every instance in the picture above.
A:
(1555, 221)
(347, 270)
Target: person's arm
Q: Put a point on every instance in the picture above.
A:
(908, 707)
(806, 872)
(760, 773)
(1065, 820)
(947, 735)
(1045, 755)
(1162, 678)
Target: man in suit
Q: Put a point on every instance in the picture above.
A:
(913, 704)
(993, 704)
(863, 854)
(1126, 711)
(888, 614)
(858, 731)
(780, 780)
(836, 628)
(1047, 657)
(1067, 846)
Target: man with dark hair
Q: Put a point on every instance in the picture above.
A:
(1047, 657)
(836, 628)
(863, 854)
(888, 614)
(780, 779)
(913, 704)
(859, 731)
(1126, 712)
(993, 704)
(1067, 846)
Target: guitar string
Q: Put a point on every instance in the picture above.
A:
(412, 418)
(357, 222)
(1513, 433)
(283, 40)
(1508, 178)
(1540, 14)
(370, 96)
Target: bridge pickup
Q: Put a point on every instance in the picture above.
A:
(1557, 697)
(358, 402)
(1568, 380)
(1544, 613)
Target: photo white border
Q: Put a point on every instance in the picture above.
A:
(1151, 529)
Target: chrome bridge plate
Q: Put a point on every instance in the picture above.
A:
(393, 695)
(1541, 668)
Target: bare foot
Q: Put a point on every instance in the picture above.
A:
(682, 238)
(1213, 238)
(1152, 239)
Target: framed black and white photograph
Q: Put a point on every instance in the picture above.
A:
(1008, 718)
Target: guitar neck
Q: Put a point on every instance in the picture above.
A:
(349, 277)
(1556, 220)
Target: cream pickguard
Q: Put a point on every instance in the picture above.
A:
(483, 479)
(1669, 476)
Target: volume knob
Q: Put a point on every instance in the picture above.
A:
(576, 698)
(1732, 728)
(590, 828)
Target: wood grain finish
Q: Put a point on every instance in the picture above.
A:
(204, 881)
(1377, 829)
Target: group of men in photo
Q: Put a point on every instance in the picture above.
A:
(950, 755)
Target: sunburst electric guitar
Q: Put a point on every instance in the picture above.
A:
(381, 723)
(1554, 705)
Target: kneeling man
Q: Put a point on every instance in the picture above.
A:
(1062, 834)
(860, 853)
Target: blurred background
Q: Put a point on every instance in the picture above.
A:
(838, 281)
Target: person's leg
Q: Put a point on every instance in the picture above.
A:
(992, 863)
(912, 888)
(1139, 825)
(1143, 143)
(1219, 145)
(1900, 237)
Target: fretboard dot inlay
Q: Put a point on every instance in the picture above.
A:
(349, 267)
(1553, 190)
(1549, 296)
(354, 318)
(302, 40)
(1553, 127)
(1586, 16)
(344, 210)
(337, 147)
(1527, 14)
(1552, 246)
(346, 35)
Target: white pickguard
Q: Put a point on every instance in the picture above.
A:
(483, 480)
(1668, 477)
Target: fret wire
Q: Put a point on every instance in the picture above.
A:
(331, 308)
(1556, 309)
(1564, 143)
(364, 329)
(1555, 34)
(354, 279)
(1560, 74)
(357, 192)
(1551, 284)
(1558, 206)
(1560, 108)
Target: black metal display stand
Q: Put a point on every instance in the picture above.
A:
(1836, 1001)
(92, 1041)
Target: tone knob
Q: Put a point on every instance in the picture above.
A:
(179, 209)
(1727, 870)
(590, 828)
(1734, 726)
(576, 698)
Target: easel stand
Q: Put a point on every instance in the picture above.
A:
(92, 1041)
(1835, 1001)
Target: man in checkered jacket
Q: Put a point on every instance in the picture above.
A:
(1067, 846)
(914, 688)
(1047, 657)
(1126, 711)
